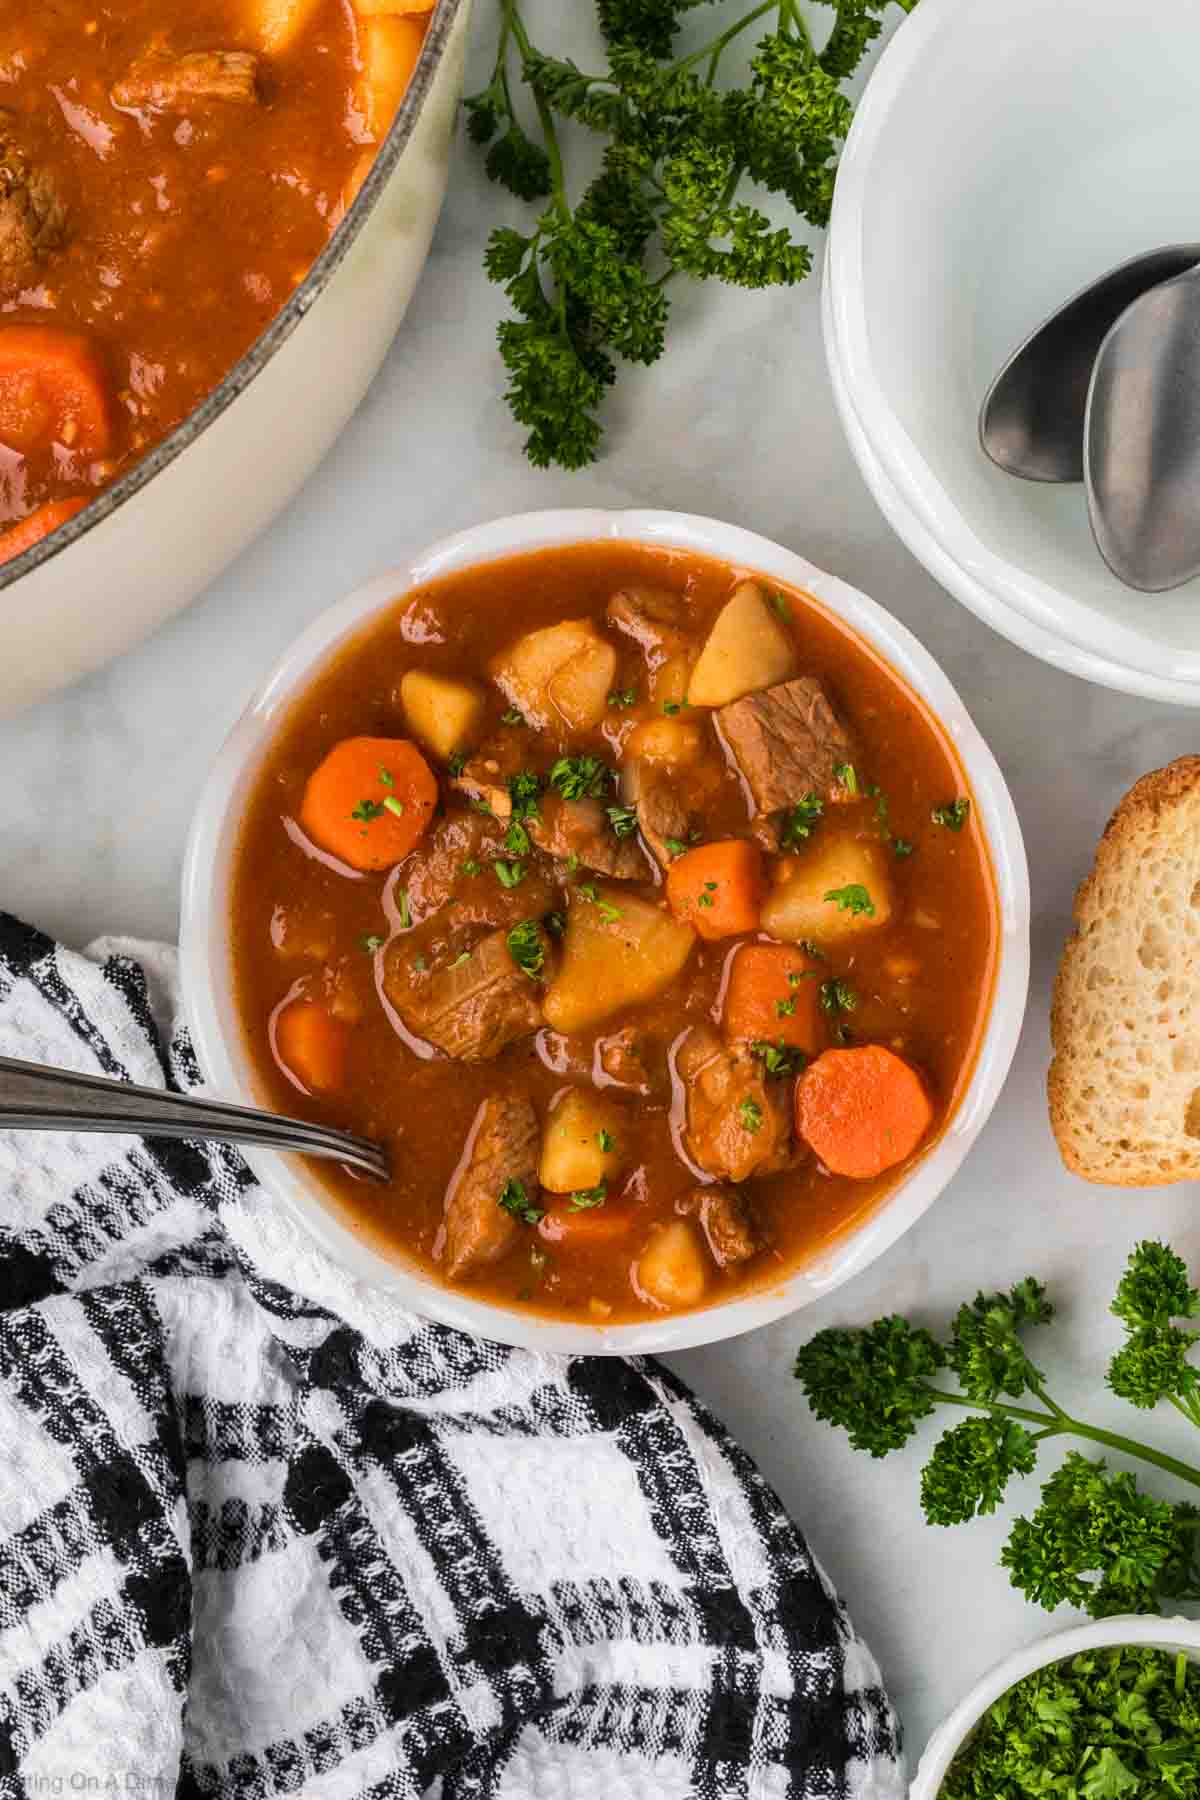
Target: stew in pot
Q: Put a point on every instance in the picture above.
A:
(637, 905)
(167, 176)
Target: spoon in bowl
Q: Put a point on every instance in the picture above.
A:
(37, 1097)
(1031, 423)
(1142, 439)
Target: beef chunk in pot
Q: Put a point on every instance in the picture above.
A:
(728, 1222)
(664, 818)
(788, 742)
(737, 1122)
(470, 1006)
(581, 829)
(503, 1146)
(486, 774)
(165, 83)
(632, 1059)
(32, 214)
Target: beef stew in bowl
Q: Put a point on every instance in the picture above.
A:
(639, 906)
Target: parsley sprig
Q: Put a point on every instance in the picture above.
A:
(1096, 1541)
(588, 283)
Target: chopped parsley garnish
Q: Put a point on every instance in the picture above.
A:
(847, 774)
(953, 815)
(781, 604)
(367, 811)
(671, 707)
(371, 944)
(471, 867)
(419, 964)
(462, 957)
(581, 777)
(509, 874)
(853, 899)
(623, 820)
(583, 1198)
(571, 863)
(706, 898)
(606, 1140)
(403, 910)
(394, 806)
(785, 1008)
(798, 825)
(837, 997)
(750, 1113)
(514, 716)
(526, 948)
(608, 912)
(513, 1199)
(457, 763)
(675, 845)
(622, 697)
(385, 777)
(902, 847)
(587, 890)
(811, 949)
(525, 791)
(481, 805)
(778, 1059)
(555, 923)
(517, 840)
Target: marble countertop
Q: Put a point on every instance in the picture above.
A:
(737, 422)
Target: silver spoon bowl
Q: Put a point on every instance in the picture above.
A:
(1032, 420)
(37, 1097)
(1142, 439)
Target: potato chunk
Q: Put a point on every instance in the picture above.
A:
(618, 951)
(563, 672)
(672, 1270)
(857, 872)
(667, 740)
(748, 647)
(389, 47)
(583, 1143)
(445, 715)
(276, 24)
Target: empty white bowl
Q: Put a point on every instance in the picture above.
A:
(1002, 157)
(207, 969)
(1130, 1629)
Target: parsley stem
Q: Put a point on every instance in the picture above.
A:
(718, 44)
(1061, 1424)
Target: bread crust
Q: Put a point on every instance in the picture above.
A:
(1107, 1112)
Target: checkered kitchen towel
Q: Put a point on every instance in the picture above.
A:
(263, 1533)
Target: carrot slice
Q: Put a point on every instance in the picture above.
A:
(370, 801)
(862, 1110)
(37, 525)
(54, 389)
(718, 888)
(312, 1045)
(576, 1228)
(774, 992)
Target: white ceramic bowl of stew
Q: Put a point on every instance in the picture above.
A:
(147, 545)
(208, 963)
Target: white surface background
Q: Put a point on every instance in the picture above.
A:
(97, 788)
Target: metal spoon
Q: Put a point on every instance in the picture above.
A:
(36, 1097)
(1031, 423)
(1142, 439)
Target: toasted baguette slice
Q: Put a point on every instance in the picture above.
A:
(1124, 1084)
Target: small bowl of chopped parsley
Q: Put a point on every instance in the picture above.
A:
(1108, 1711)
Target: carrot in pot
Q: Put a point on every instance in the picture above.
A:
(718, 888)
(30, 531)
(370, 801)
(54, 389)
(313, 1045)
(578, 1228)
(774, 994)
(862, 1110)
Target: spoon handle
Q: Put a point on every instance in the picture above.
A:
(37, 1097)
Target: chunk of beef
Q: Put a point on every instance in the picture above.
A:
(656, 620)
(33, 217)
(486, 774)
(503, 1146)
(738, 1123)
(634, 1060)
(788, 743)
(434, 872)
(453, 891)
(471, 1006)
(728, 1222)
(581, 828)
(664, 817)
(161, 82)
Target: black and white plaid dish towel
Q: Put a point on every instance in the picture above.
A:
(262, 1532)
